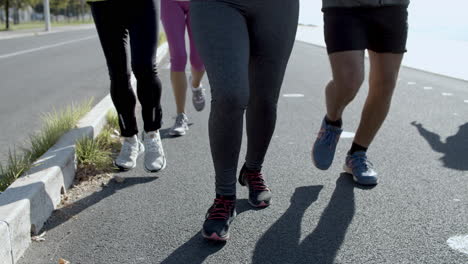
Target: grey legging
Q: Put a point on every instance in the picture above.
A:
(245, 45)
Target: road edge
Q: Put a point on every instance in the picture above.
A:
(27, 204)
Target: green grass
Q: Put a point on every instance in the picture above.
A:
(41, 24)
(95, 155)
(112, 120)
(16, 165)
(55, 125)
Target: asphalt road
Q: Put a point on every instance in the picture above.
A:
(40, 73)
(316, 216)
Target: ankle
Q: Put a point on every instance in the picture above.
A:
(335, 123)
(226, 197)
(356, 147)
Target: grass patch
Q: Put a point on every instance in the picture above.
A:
(55, 125)
(16, 165)
(112, 120)
(95, 156)
(93, 153)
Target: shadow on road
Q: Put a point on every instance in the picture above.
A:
(281, 243)
(63, 215)
(194, 251)
(197, 249)
(455, 148)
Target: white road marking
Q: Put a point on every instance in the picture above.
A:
(9, 55)
(447, 94)
(427, 88)
(456, 200)
(411, 83)
(294, 95)
(347, 134)
(466, 101)
(459, 243)
(455, 114)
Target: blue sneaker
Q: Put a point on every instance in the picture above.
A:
(360, 167)
(324, 147)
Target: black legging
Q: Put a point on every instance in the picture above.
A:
(245, 45)
(115, 21)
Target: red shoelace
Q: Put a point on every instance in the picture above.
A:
(220, 209)
(255, 181)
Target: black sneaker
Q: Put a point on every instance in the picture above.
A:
(218, 218)
(259, 193)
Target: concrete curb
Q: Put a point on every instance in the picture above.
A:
(31, 199)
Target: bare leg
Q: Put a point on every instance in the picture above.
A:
(179, 86)
(197, 76)
(382, 81)
(348, 75)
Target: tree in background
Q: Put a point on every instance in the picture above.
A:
(68, 8)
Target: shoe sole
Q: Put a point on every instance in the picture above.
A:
(262, 204)
(177, 134)
(215, 237)
(349, 171)
(154, 171)
(199, 109)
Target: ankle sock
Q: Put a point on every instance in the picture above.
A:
(355, 148)
(337, 123)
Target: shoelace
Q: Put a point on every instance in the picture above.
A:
(179, 121)
(220, 209)
(331, 135)
(256, 181)
(152, 144)
(361, 163)
(127, 147)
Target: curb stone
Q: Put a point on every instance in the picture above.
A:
(27, 203)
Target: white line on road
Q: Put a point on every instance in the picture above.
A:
(427, 88)
(447, 94)
(293, 95)
(411, 83)
(347, 134)
(466, 101)
(459, 243)
(9, 55)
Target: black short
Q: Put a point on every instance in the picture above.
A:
(380, 29)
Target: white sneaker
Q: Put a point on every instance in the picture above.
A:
(155, 159)
(180, 126)
(131, 149)
(198, 96)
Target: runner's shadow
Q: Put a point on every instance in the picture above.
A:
(64, 214)
(194, 251)
(455, 148)
(197, 249)
(281, 243)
